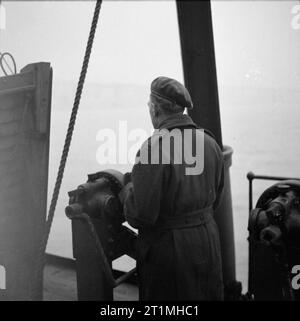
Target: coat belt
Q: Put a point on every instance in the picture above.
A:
(191, 219)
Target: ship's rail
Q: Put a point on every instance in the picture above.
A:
(251, 177)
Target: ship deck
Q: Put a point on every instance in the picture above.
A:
(60, 282)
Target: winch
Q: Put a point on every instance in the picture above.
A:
(274, 239)
(99, 235)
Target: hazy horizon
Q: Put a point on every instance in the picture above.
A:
(255, 42)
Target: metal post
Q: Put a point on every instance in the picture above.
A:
(199, 68)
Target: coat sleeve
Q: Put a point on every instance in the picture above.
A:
(143, 195)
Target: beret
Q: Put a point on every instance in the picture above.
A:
(171, 90)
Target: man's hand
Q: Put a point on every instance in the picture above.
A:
(127, 178)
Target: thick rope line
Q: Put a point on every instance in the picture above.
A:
(42, 246)
(2, 58)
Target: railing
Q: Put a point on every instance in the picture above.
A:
(251, 177)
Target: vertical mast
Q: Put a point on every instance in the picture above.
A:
(199, 67)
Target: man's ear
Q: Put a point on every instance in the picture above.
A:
(155, 110)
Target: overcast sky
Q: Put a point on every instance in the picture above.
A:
(136, 41)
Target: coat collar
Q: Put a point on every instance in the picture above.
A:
(177, 120)
(180, 120)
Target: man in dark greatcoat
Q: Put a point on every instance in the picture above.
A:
(172, 203)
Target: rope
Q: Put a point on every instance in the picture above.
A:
(104, 264)
(106, 268)
(2, 58)
(35, 292)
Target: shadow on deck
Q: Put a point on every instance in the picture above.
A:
(60, 282)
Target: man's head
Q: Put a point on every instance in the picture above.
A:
(168, 97)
